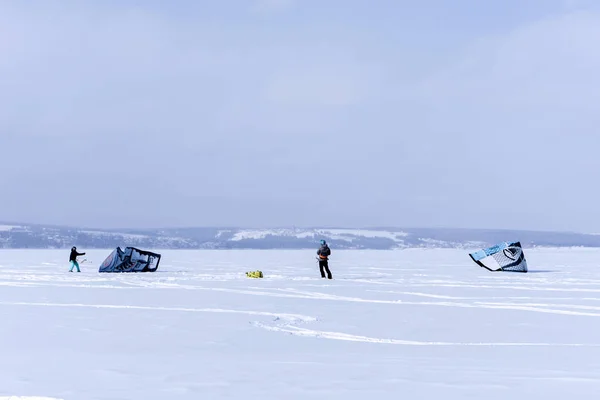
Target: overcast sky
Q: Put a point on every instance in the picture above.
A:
(426, 113)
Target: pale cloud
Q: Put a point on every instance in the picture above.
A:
(272, 6)
(571, 5)
(549, 63)
(118, 71)
(235, 118)
(320, 79)
(524, 108)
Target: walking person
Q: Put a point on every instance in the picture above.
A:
(73, 259)
(323, 256)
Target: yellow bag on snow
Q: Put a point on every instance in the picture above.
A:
(254, 274)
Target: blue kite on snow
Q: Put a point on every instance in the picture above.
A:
(506, 256)
(130, 260)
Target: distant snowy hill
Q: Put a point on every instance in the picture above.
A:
(41, 236)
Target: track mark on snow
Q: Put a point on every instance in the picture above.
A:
(366, 339)
(535, 307)
(290, 322)
(296, 318)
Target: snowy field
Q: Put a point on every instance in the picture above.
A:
(411, 324)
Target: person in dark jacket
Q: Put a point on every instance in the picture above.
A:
(73, 259)
(323, 256)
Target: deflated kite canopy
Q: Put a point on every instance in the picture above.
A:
(130, 260)
(507, 256)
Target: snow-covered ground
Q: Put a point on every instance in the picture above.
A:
(410, 324)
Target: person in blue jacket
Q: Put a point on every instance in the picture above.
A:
(73, 259)
(323, 255)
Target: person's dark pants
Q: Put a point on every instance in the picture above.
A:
(324, 266)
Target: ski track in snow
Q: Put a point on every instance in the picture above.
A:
(413, 299)
(293, 319)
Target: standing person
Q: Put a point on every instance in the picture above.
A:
(73, 259)
(324, 252)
